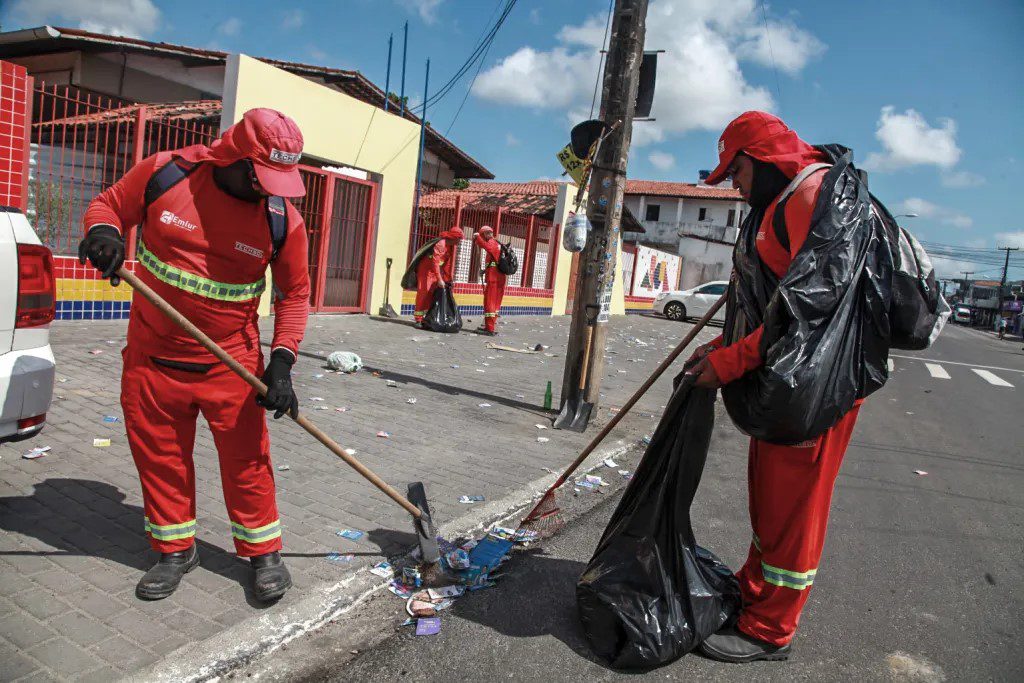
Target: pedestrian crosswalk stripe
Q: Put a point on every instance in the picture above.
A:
(991, 378)
(892, 366)
(937, 371)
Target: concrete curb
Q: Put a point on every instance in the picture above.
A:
(260, 635)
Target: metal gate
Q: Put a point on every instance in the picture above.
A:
(339, 215)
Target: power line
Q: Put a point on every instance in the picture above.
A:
(476, 55)
(600, 59)
(472, 82)
(771, 52)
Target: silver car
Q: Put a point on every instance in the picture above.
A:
(691, 303)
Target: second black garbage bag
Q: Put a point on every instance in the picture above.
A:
(650, 594)
(444, 315)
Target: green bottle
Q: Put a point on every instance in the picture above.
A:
(547, 397)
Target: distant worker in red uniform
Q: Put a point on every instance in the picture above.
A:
(790, 487)
(205, 236)
(436, 269)
(494, 279)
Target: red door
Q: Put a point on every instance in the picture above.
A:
(344, 258)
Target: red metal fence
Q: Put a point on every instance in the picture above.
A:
(529, 237)
(81, 143)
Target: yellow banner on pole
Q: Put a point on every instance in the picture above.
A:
(572, 164)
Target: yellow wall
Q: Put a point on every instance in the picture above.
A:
(340, 130)
(563, 207)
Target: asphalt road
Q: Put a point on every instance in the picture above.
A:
(922, 577)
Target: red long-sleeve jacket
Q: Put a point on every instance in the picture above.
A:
(439, 266)
(733, 361)
(493, 249)
(197, 229)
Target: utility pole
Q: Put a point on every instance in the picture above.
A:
(596, 272)
(1002, 283)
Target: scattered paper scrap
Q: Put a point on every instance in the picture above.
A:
(384, 435)
(542, 439)
(37, 452)
(471, 499)
(339, 558)
(316, 398)
(920, 473)
(96, 352)
(446, 592)
(110, 418)
(342, 409)
(400, 589)
(383, 570)
(485, 405)
(428, 626)
(595, 480)
(608, 462)
(391, 383)
(350, 534)
(350, 451)
(410, 400)
(646, 440)
(101, 443)
(541, 426)
(283, 468)
(626, 473)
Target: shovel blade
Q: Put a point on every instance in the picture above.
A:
(567, 415)
(582, 418)
(424, 526)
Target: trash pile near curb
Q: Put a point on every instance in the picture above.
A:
(468, 563)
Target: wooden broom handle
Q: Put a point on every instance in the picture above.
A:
(640, 392)
(253, 381)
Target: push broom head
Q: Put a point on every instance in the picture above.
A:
(546, 516)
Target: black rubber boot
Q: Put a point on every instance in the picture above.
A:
(270, 577)
(732, 645)
(164, 577)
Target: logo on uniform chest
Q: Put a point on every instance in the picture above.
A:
(170, 218)
(246, 249)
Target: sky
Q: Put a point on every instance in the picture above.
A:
(928, 95)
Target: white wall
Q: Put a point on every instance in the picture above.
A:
(703, 261)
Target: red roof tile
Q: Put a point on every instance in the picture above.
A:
(686, 190)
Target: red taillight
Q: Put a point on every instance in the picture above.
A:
(36, 287)
(29, 422)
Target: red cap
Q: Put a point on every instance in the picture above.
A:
(486, 228)
(454, 234)
(274, 144)
(746, 130)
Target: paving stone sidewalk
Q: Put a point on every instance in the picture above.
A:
(71, 540)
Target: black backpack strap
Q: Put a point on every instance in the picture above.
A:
(779, 217)
(277, 219)
(166, 177)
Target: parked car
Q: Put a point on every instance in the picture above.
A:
(962, 315)
(27, 301)
(691, 303)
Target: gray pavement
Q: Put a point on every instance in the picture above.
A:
(71, 540)
(922, 577)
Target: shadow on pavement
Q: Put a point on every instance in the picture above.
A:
(443, 388)
(536, 597)
(111, 530)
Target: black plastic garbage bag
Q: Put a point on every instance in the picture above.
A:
(444, 315)
(650, 594)
(826, 322)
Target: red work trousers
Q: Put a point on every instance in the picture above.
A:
(790, 496)
(161, 405)
(494, 292)
(426, 283)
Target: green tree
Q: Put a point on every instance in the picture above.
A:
(51, 208)
(460, 184)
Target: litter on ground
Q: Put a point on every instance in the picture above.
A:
(542, 439)
(410, 400)
(110, 418)
(920, 473)
(485, 405)
(37, 452)
(339, 558)
(100, 443)
(283, 468)
(608, 462)
(428, 626)
(384, 435)
(383, 570)
(350, 534)
(471, 499)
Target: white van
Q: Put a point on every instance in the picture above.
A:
(27, 302)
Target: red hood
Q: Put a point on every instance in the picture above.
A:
(787, 151)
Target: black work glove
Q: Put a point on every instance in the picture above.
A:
(105, 249)
(278, 378)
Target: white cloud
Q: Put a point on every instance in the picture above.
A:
(784, 45)
(701, 85)
(427, 9)
(662, 161)
(293, 19)
(931, 211)
(962, 179)
(1010, 239)
(512, 140)
(908, 140)
(132, 18)
(230, 27)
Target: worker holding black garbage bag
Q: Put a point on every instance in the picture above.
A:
(824, 284)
